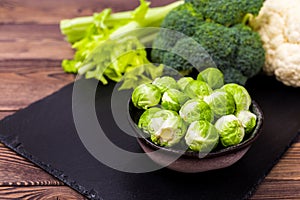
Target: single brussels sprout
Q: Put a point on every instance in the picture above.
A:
(146, 117)
(166, 128)
(173, 99)
(221, 102)
(230, 129)
(213, 77)
(164, 83)
(197, 89)
(182, 82)
(195, 110)
(240, 94)
(202, 136)
(248, 120)
(145, 96)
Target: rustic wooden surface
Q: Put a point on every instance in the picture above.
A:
(31, 49)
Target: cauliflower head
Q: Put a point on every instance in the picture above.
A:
(278, 24)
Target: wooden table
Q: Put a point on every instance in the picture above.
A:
(31, 50)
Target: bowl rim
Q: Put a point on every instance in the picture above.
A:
(255, 108)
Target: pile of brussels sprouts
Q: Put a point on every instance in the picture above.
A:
(201, 113)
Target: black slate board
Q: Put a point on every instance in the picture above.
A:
(45, 134)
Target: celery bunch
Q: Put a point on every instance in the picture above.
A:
(107, 45)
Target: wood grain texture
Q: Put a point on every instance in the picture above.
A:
(26, 81)
(51, 12)
(32, 41)
(32, 48)
(39, 192)
(18, 171)
(4, 114)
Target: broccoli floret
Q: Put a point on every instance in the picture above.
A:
(180, 22)
(186, 55)
(219, 41)
(232, 75)
(252, 6)
(234, 48)
(183, 19)
(226, 12)
(250, 54)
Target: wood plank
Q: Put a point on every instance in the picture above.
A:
(26, 81)
(39, 192)
(16, 170)
(4, 114)
(33, 42)
(51, 12)
(288, 167)
(278, 190)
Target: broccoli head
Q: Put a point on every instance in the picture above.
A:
(219, 41)
(218, 27)
(186, 55)
(226, 12)
(180, 22)
(250, 54)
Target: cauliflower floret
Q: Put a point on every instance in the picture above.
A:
(288, 64)
(278, 23)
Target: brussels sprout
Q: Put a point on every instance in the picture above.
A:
(164, 83)
(221, 102)
(173, 99)
(182, 82)
(213, 77)
(195, 110)
(230, 129)
(197, 89)
(145, 96)
(240, 94)
(166, 128)
(202, 136)
(248, 120)
(146, 117)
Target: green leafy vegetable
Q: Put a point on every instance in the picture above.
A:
(173, 99)
(145, 96)
(202, 136)
(195, 110)
(166, 128)
(107, 44)
(230, 129)
(146, 117)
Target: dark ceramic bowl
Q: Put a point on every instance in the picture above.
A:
(189, 161)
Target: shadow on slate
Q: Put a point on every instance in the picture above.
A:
(45, 133)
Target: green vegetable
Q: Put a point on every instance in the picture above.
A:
(186, 55)
(183, 20)
(213, 77)
(197, 89)
(221, 102)
(248, 120)
(195, 110)
(230, 129)
(226, 12)
(223, 33)
(201, 136)
(145, 96)
(182, 82)
(173, 99)
(166, 128)
(102, 39)
(164, 83)
(146, 117)
(240, 95)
